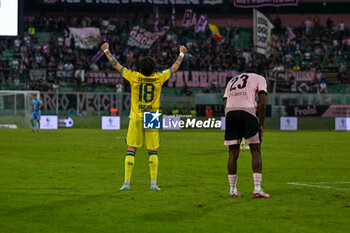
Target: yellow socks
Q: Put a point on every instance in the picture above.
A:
(153, 165)
(129, 165)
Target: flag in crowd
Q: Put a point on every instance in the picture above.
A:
(215, 30)
(262, 32)
(186, 20)
(201, 24)
(86, 38)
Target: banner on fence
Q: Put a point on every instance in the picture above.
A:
(200, 78)
(337, 111)
(103, 77)
(83, 102)
(318, 110)
(302, 76)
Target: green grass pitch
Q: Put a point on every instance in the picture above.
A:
(68, 181)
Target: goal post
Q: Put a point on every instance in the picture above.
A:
(16, 107)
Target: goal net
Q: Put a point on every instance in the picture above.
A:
(16, 107)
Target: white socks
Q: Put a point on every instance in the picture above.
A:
(257, 187)
(153, 182)
(233, 189)
(257, 181)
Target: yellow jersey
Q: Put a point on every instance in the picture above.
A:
(145, 91)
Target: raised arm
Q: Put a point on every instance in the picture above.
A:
(112, 60)
(177, 63)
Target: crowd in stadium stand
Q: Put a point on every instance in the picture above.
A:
(321, 48)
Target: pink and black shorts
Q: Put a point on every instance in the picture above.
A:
(241, 124)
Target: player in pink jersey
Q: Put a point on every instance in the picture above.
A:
(241, 121)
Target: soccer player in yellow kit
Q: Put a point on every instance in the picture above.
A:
(146, 87)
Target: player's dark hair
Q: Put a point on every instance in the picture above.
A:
(147, 66)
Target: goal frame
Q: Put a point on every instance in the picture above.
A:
(27, 99)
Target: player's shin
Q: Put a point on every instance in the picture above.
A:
(38, 125)
(129, 165)
(153, 166)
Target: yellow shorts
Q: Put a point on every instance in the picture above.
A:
(137, 135)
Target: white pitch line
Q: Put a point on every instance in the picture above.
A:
(335, 182)
(318, 186)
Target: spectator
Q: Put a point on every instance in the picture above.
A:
(209, 112)
(322, 47)
(308, 25)
(16, 82)
(193, 112)
(323, 85)
(55, 86)
(68, 68)
(341, 27)
(318, 75)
